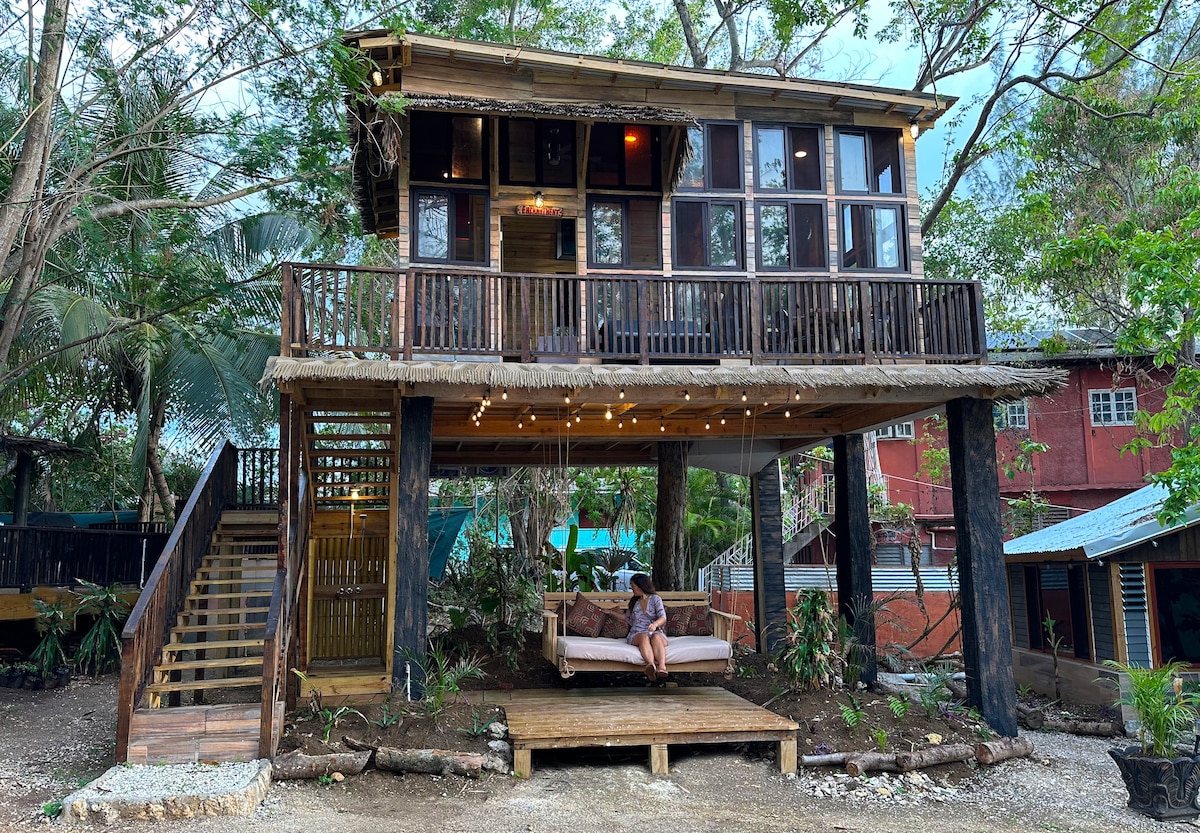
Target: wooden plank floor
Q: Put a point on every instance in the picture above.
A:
(653, 717)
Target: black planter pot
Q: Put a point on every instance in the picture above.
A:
(1162, 788)
(62, 677)
(32, 682)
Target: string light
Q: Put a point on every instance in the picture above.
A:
(621, 395)
(661, 426)
(743, 396)
(722, 420)
(567, 398)
(707, 425)
(797, 394)
(533, 417)
(635, 420)
(504, 394)
(747, 412)
(788, 413)
(620, 423)
(520, 423)
(608, 412)
(577, 417)
(687, 397)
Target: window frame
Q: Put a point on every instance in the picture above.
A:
(1111, 394)
(787, 126)
(897, 431)
(485, 148)
(538, 163)
(626, 233)
(787, 204)
(656, 151)
(1079, 606)
(905, 265)
(865, 132)
(740, 244)
(451, 193)
(1004, 415)
(707, 186)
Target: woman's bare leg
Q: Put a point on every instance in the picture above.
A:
(658, 644)
(642, 641)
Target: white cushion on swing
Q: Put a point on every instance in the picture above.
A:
(680, 649)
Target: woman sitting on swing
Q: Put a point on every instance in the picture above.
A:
(646, 617)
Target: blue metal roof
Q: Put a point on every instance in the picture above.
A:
(1117, 526)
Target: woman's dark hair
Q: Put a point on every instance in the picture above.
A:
(643, 583)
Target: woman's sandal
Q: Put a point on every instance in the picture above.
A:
(649, 671)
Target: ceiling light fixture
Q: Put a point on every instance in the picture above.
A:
(914, 129)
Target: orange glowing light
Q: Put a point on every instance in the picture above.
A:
(631, 138)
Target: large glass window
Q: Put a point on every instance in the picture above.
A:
(868, 161)
(791, 235)
(624, 156)
(450, 226)
(1113, 407)
(1056, 597)
(1177, 612)
(872, 236)
(788, 158)
(716, 161)
(624, 233)
(448, 148)
(537, 152)
(707, 234)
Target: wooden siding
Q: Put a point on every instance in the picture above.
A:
(348, 580)
(1137, 621)
(1020, 610)
(1100, 606)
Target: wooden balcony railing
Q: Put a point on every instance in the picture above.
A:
(370, 312)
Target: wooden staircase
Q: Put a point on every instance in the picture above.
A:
(214, 652)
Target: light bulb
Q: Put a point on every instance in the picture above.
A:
(797, 396)
(661, 427)
(577, 417)
(539, 199)
(533, 417)
(620, 423)
(621, 395)
(607, 413)
(788, 413)
(800, 154)
(747, 412)
(520, 424)
(687, 397)
(914, 129)
(635, 420)
(706, 425)
(504, 395)
(567, 398)
(743, 396)
(722, 420)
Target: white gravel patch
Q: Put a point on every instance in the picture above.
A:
(149, 783)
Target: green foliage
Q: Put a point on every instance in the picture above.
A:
(1165, 711)
(898, 706)
(53, 625)
(934, 691)
(325, 780)
(880, 736)
(811, 655)
(478, 726)
(852, 712)
(444, 676)
(934, 452)
(100, 649)
(330, 719)
(387, 717)
(52, 809)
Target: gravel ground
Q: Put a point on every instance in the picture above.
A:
(52, 739)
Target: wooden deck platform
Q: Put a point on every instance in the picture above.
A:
(653, 717)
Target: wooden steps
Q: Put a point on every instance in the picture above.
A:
(197, 685)
(230, 662)
(190, 734)
(211, 645)
(222, 611)
(228, 626)
(201, 597)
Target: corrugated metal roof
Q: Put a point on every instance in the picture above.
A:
(800, 577)
(1124, 523)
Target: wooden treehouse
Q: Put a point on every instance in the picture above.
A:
(592, 261)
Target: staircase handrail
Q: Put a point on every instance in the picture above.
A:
(147, 629)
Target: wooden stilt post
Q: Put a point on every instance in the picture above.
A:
(671, 516)
(21, 489)
(983, 584)
(412, 544)
(770, 594)
(852, 531)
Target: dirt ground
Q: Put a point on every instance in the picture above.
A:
(54, 740)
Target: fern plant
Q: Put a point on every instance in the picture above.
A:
(852, 713)
(898, 706)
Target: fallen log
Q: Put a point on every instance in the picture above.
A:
(357, 745)
(1030, 718)
(293, 766)
(832, 759)
(860, 763)
(994, 751)
(932, 756)
(429, 761)
(1082, 727)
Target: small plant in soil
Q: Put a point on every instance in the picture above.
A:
(331, 718)
(898, 706)
(880, 736)
(810, 657)
(53, 625)
(444, 677)
(479, 726)
(852, 714)
(325, 780)
(100, 649)
(387, 717)
(52, 809)
(931, 694)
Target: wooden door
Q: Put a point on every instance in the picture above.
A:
(348, 605)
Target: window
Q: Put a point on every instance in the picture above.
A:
(537, 152)
(624, 156)
(716, 163)
(1012, 415)
(791, 235)
(450, 226)
(1058, 591)
(448, 148)
(872, 236)
(868, 161)
(1176, 595)
(899, 431)
(707, 234)
(899, 555)
(788, 158)
(1113, 407)
(624, 233)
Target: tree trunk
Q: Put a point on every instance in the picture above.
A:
(1082, 727)
(860, 763)
(832, 759)
(698, 53)
(22, 199)
(294, 766)
(154, 464)
(671, 517)
(934, 755)
(429, 761)
(1030, 718)
(995, 751)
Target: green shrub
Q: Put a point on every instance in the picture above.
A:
(53, 625)
(1167, 714)
(100, 649)
(810, 657)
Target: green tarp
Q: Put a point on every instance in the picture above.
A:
(444, 526)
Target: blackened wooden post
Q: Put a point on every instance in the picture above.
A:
(21, 489)
(671, 516)
(770, 593)
(852, 532)
(412, 544)
(983, 584)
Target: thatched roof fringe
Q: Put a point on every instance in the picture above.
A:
(1003, 382)
(608, 112)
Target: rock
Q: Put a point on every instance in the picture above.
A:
(494, 763)
(337, 776)
(501, 748)
(498, 730)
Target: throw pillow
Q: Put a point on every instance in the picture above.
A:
(614, 628)
(585, 618)
(678, 617)
(699, 624)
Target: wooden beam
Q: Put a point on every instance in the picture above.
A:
(983, 583)
(770, 592)
(852, 531)
(412, 544)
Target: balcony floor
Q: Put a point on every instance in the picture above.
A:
(767, 411)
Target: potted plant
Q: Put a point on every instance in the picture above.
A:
(1162, 783)
(49, 656)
